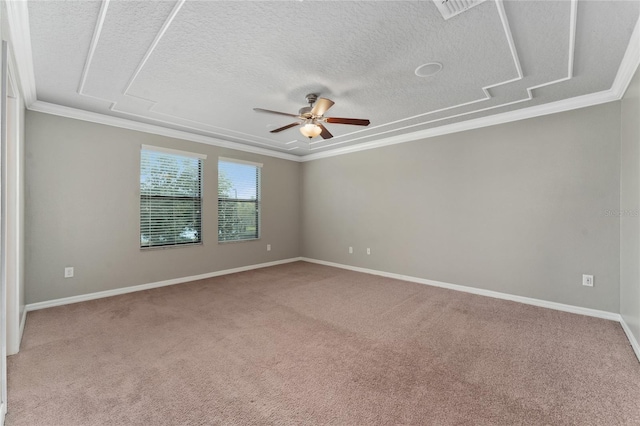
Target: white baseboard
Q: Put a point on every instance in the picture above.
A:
(632, 339)
(124, 290)
(495, 294)
(489, 293)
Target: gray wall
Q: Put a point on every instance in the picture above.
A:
(630, 208)
(523, 208)
(519, 208)
(82, 210)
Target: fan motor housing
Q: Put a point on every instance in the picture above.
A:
(305, 112)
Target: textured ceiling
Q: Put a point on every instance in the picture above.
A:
(202, 66)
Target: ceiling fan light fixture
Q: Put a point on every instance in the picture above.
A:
(310, 129)
(312, 119)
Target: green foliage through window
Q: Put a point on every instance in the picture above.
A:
(170, 199)
(238, 201)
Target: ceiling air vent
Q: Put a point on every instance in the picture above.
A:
(451, 8)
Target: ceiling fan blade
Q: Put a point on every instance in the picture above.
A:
(321, 106)
(275, 112)
(353, 121)
(325, 133)
(288, 126)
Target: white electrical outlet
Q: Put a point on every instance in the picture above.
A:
(350, 250)
(587, 280)
(268, 247)
(68, 272)
(368, 250)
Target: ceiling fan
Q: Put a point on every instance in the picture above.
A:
(312, 118)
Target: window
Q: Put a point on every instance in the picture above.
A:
(238, 200)
(170, 197)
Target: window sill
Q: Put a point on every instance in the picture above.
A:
(238, 241)
(168, 247)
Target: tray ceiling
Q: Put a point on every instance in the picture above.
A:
(202, 66)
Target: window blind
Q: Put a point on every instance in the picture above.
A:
(238, 200)
(170, 197)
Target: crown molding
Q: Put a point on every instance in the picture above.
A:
(123, 123)
(629, 64)
(20, 38)
(477, 123)
(18, 23)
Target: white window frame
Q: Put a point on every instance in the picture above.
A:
(176, 153)
(258, 200)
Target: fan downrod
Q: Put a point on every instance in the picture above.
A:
(305, 112)
(311, 98)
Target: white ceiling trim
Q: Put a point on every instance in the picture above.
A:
(477, 123)
(18, 26)
(462, 114)
(572, 48)
(174, 119)
(529, 97)
(487, 95)
(159, 36)
(509, 36)
(94, 43)
(202, 126)
(20, 36)
(123, 123)
(113, 104)
(199, 127)
(629, 64)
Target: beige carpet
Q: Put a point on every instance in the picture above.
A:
(308, 344)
